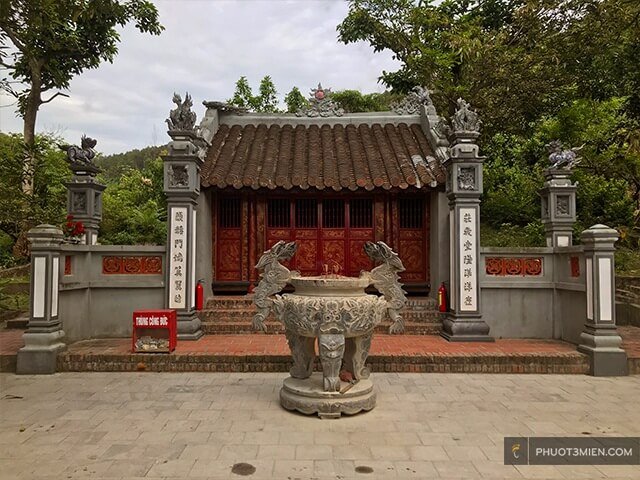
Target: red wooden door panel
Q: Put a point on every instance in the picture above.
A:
(412, 239)
(229, 240)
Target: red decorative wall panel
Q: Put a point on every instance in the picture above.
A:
(130, 265)
(575, 267)
(67, 265)
(513, 266)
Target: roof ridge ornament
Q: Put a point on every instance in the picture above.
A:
(321, 105)
(181, 118)
(465, 119)
(413, 101)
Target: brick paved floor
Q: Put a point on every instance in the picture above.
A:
(198, 425)
(258, 344)
(11, 341)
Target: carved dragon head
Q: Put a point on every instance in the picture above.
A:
(278, 252)
(380, 252)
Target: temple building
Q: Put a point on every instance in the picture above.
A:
(329, 180)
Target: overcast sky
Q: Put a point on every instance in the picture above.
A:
(206, 46)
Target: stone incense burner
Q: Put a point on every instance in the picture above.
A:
(337, 312)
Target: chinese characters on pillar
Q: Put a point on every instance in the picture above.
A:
(177, 252)
(468, 279)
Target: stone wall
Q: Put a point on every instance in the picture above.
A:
(533, 292)
(101, 286)
(628, 301)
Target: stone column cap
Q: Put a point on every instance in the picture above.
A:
(599, 234)
(600, 231)
(45, 235)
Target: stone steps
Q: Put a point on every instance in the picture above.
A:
(276, 328)
(241, 308)
(389, 353)
(233, 315)
(623, 295)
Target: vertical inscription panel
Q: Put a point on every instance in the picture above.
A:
(589, 264)
(177, 257)
(605, 290)
(193, 260)
(468, 273)
(54, 286)
(39, 282)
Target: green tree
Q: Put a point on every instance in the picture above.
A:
(355, 101)
(55, 40)
(295, 101)
(265, 102)
(113, 166)
(46, 204)
(243, 95)
(515, 60)
(135, 207)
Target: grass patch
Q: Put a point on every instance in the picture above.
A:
(14, 294)
(507, 235)
(627, 262)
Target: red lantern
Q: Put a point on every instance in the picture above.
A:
(199, 295)
(442, 298)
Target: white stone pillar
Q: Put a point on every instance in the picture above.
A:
(600, 339)
(44, 335)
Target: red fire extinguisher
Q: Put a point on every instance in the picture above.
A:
(442, 298)
(199, 295)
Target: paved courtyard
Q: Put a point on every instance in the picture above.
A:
(198, 425)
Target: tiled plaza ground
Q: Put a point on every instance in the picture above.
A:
(198, 425)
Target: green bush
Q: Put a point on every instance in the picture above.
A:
(135, 207)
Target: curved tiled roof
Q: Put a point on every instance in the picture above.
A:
(321, 156)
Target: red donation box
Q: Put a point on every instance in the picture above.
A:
(154, 331)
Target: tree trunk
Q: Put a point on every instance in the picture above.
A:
(34, 101)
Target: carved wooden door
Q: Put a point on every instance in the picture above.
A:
(229, 239)
(330, 233)
(413, 235)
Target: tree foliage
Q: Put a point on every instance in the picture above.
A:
(295, 101)
(265, 102)
(48, 202)
(515, 60)
(114, 166)
(355, 101)
(135, 207)
(536, 70)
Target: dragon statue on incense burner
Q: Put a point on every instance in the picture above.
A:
(334, 309)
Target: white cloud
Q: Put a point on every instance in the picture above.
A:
(206, 47)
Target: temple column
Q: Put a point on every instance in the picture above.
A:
(463, 322)
(600, 339)
(558, 207)
(182, 187)
(84, 194)
(43, 339)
